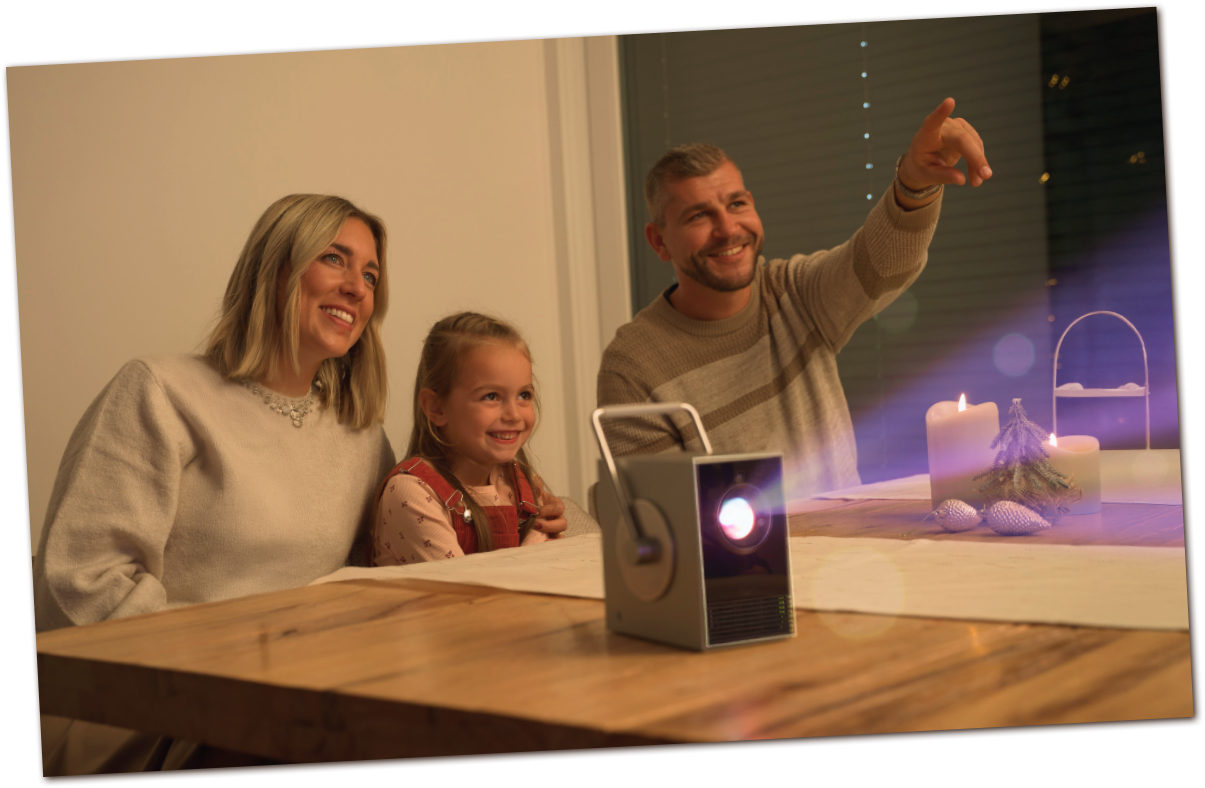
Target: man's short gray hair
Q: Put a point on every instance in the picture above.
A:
(692, 160)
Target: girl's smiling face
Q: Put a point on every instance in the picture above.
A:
(488, 414)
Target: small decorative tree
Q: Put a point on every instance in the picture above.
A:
(1021, 472)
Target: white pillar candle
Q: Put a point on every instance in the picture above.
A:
(1078, 457)
(960, 449)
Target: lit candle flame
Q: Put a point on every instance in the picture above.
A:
(1053, 440)
(962, 403)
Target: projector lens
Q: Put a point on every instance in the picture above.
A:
(737, 518)
(741, 518)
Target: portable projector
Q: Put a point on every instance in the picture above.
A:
(695, 550)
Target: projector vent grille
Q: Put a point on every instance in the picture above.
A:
(749, 619)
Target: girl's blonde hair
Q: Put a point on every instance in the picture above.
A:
(438, 369)
(255, 329)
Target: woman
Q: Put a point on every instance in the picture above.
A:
(249, 469)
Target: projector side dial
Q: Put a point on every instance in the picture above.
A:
(647, 582)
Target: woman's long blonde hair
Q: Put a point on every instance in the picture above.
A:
(254, 332)
(444, 350)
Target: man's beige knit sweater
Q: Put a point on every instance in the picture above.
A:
(766, 378)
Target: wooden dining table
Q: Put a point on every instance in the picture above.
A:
(371, 668)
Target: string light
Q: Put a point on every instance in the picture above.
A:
(866, 126)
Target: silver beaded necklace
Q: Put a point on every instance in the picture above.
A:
(295, 409)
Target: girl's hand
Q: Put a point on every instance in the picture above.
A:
(551, 519)
(534, 537)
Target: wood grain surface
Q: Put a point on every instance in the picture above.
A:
(385, 669)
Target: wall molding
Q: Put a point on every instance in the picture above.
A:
(589, 213)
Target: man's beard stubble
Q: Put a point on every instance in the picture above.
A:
(700, 272)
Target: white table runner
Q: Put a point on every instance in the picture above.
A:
(1103, 586)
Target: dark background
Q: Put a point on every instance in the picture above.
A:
(1073, 221)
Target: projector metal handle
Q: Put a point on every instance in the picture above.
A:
(648, 549)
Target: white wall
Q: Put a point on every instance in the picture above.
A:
(136, 183)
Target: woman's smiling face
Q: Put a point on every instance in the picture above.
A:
(489, 413)
(335, 295)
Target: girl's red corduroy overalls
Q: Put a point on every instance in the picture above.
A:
(504, 520)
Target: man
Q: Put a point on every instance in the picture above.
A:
(752, 345)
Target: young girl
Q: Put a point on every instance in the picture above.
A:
(466, 485)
